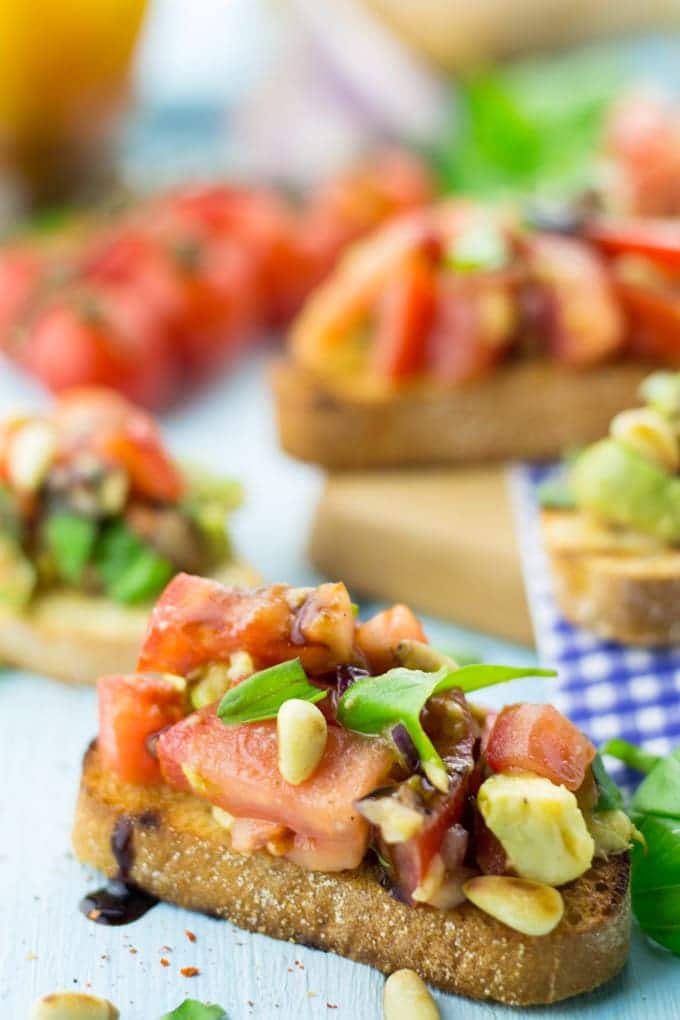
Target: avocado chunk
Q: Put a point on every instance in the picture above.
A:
(70, 539)
(17, 574)
(131, 571)
(622, 487)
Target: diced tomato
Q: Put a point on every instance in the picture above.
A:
(643, 137)
(21, 272)
(538, 738)
(236, 768)
(658, 240)
(378, 637)
(466, 342)
(131, 710)
(103, 421)
(489, 853)
(586, 322)
(654, 321)
(405, 314)
(198, 621)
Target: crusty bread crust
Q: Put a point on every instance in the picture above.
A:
(531, 408)
(77, 638)
(182, 855)
(623, 586)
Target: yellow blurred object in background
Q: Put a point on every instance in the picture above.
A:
(63, 71)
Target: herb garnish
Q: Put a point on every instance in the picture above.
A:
(260, 696)
(655, 810)
(375, 704)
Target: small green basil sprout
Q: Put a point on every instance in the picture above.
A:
(190, 1009)
(374, 704)
(262, 694)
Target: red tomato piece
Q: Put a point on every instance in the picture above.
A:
(236, 767)
(378, 637)
(405, 314)
(539, 739)
(131, 710)
(461, 347)
(654, 321)
(198, 621)
(656, 239)
(21, 273)
(103, 421)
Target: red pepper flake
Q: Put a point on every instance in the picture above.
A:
(331, 1005)
(164, 962)
(190, 935)
(190, 971)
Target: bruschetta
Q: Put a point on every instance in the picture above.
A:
(612, 532)
(95, 518)
(458, 334)
(279, 763)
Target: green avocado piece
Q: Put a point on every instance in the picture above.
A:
(17, 574)
(618, 484)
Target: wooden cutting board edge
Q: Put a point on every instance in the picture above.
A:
(440, 540)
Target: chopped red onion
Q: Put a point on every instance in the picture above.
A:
(345, 676)
(405, 746)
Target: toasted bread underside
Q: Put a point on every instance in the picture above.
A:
(531, 408)
(182, 855)
(623, 586)
(76, 638)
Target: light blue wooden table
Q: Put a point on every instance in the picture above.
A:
(45, 943)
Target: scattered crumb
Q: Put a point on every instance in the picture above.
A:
(312, 995)
(31, 956)
(164, 962)
(133, 951)
(190, 971)
(190, 935)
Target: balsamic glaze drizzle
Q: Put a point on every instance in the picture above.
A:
(120, 901)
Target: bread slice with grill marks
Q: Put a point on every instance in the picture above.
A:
(622, 585)
(181, 854)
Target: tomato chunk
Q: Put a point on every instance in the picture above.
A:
(131, 709)
(236, 768)
(404, 318)
(378, 637)
(102, 421)
(539, 739)
(197, 621)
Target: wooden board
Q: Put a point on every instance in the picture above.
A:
(440, 540)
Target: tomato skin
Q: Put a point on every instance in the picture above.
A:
(378, 637)
(131, 709)
(198, 621)
(538, 738)
(103, 421)
(404, 318)
(21, 273)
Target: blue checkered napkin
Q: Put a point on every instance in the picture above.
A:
(607, 689)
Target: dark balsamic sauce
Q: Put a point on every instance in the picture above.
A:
(119, 901)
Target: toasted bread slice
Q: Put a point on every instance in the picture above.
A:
(622, 585)
(182, 855)
(75, 637)
(531, 408)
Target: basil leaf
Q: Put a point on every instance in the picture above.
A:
(632, 756)
(375, 704)
(262, 694)
(609, 796)
(659, 793)
(70, 539)
(190, 1009)
(131, 570)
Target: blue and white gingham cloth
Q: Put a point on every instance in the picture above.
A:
(607, 689)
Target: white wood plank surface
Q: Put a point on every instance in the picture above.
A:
(45, 943)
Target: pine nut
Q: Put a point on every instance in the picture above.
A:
(406, 998)
(530, 908)
(302, 734)
(73, 1006)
